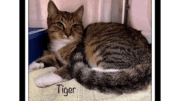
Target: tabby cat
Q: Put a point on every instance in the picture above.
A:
(108, 57)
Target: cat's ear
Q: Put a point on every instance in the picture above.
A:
(52, 9)
(79, 12)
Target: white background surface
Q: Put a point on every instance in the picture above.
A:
(170, 51)
(9, 50)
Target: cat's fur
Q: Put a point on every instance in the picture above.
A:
(109, 57)
(113, 58)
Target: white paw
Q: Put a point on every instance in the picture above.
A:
(48, 79)
(34, 65)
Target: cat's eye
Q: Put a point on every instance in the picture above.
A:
(59, 24)
(74, 26)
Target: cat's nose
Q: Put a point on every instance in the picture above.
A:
(68, 32)
(68, 35)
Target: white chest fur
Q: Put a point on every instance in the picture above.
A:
(56, 45)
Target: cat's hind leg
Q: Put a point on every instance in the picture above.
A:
(57, 76)
(48, 79)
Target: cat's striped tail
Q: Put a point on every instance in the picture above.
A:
(123, 81)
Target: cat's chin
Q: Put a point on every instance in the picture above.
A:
(58, 44)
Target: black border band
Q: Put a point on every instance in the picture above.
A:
(157, 50)
(22, 50)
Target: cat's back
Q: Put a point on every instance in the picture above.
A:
(114, 32)
(114, 44)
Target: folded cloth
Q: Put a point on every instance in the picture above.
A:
(73, 91)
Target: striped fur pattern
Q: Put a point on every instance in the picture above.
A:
(108, 46)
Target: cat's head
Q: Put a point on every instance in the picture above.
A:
(64, 25)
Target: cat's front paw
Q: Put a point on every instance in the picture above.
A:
(34, 66)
